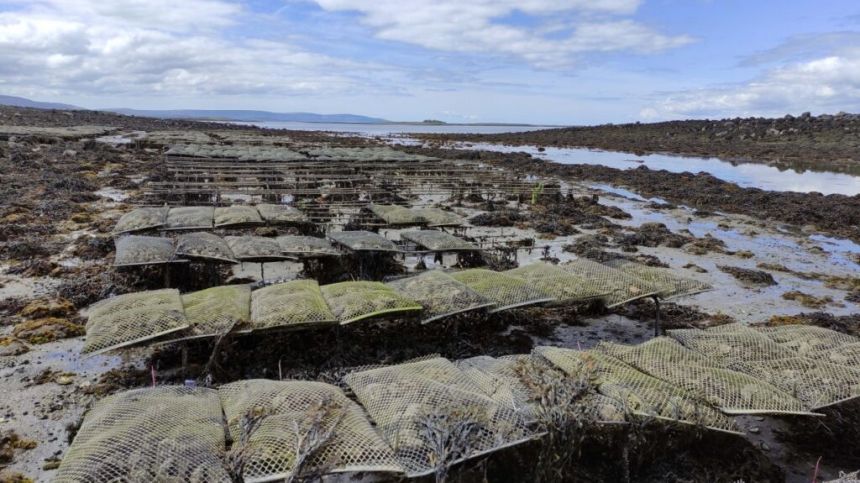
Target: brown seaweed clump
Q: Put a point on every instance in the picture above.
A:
(807, 300)
(42, 308)
(49, 329)
(749, 276)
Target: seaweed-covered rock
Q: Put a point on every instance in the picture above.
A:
(749, 276)
(49, 329)
(42, 308)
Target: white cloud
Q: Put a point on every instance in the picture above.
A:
(826, 84)
(144, 48)
(479, 26)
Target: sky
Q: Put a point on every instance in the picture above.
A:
(567, 62)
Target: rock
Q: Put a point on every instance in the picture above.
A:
(64, 380)
(754, 430)
(10, 346)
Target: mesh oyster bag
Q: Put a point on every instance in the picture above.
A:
(306, 246)
(204, 246)
(216, 311)
(621, 287)
(732, 391)
(141, 219)
(294, 304)
(438, 241)
(505, 291)
(285, 411)
(281, 214)
(354, 301)
(165, 433)
(412, 402)
(131, 318)
(190, 218)
(563, 286)
(516, 381)
(236, 215)
(818, 384)
(363, 241)
(807, 340)
(439, 294)
(136, 250)
(732, 343)
(670, 284)
(255, 248)
(637, 392)
(846, 355)
(437, 217)
(396, 215)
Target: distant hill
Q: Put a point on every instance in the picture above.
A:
(22, 102)
(249, 116)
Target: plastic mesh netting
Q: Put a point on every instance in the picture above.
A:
(354, 301)
(637, 392)
(217, 310)
(281, 214)
(731, 391)
(364, 154)
(396, 215)
(363, 241)
(670, 284)
(255, 248)
(818, 384)
(190, 218)
(441, 295)
(795, 358)
(294, 304)
(438, 241)
(505, 291)
(846, 355)
(286, 409)
(807, 340)
(306, 246)
(163, 434)
(236, 215)
(240, 152)
(517, 381)
(621, 287)
(732, 343)
(143, 250)
(204, 246)
(127, 319)
(141, 219)
(562, 285)
(438, 217)
(412, 400)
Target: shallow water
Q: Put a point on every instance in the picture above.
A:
(394, 128)
(747, 175)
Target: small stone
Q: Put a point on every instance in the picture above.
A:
(764, 446)
(755, 430)
(64, 380)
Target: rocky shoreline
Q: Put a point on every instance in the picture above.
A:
(836, 215)
(817, 143)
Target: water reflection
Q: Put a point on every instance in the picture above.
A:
(748, 175)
